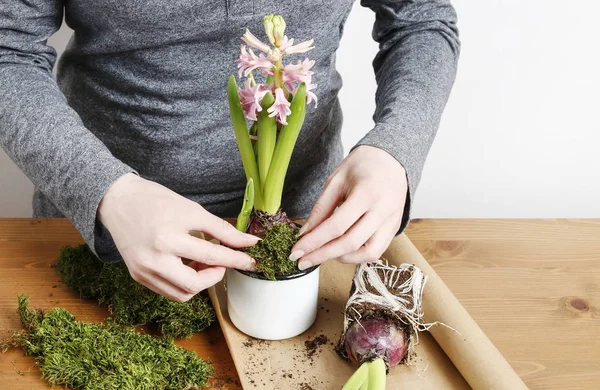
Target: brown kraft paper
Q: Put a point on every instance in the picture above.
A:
(307, 362)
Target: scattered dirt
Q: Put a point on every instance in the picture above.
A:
(312, 346)
(222, 381)
(297, 377)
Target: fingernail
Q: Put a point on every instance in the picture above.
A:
(252, 236)
(251, 266)
(296, 255)
(303, 229)
(304, 265)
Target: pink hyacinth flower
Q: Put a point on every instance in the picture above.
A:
(299, 72)
(250, 97)
(285, 43)
(299, 48)
(256, 43)
(310, 96)
(281, 107)
(249, 61)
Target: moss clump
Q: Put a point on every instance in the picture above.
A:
(104, 357)
(272, 253)
(129, 302)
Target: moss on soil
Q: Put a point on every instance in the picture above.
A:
(273, 251)
(129, 302)
(107, 356)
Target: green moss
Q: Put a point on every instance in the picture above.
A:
(272, 253)
(107, 356)
(129, 302)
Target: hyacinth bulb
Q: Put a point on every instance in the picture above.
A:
(373, 338)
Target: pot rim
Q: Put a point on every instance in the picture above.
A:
(278, 278)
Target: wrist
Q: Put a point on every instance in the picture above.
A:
(383, 156)
(113, 196)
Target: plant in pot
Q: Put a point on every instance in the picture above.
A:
(278, 301)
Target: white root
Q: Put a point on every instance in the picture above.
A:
(405, 304)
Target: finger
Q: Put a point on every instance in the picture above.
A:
(196, 265)
(186, 278)
(205, 278)
(196, 249)
(333, 227)
(350, 242)
(223, 231)
(163, 287)
(373, 248)
(330, 198)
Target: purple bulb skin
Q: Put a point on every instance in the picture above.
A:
(374, 338)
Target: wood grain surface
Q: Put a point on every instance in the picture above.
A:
(532, 285)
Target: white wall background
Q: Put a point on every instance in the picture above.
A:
(520, 136)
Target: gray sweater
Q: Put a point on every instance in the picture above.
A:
(142, 88)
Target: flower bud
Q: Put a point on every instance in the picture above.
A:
(275, 28)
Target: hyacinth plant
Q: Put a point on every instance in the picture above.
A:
(267, 114)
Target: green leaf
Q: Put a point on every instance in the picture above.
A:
(247, 206)
(377, 372)
(267, 137)
(359, 380)
(273, 189)
(243, 140)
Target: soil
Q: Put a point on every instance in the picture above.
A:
(300, 375)
(312, 346)
(366, 311)
(370, 310)
(223, 381)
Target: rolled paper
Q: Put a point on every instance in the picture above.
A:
(467, 346)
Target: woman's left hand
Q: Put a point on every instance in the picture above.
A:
(370, 188)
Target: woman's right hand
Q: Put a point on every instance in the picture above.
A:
(151, 227)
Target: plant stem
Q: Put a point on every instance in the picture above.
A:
(278, 75)
(359, 380)
(243, 140)
(273, 187)
(247, 206)
(267, 137)
(377, 372)
(254, 132)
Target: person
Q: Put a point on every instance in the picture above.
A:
(133, 142)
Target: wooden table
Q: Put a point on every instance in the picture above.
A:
(532, 285)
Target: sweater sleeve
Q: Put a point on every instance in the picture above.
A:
(38, 129)
(415, 70)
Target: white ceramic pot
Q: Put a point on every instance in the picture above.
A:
(272, 310)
